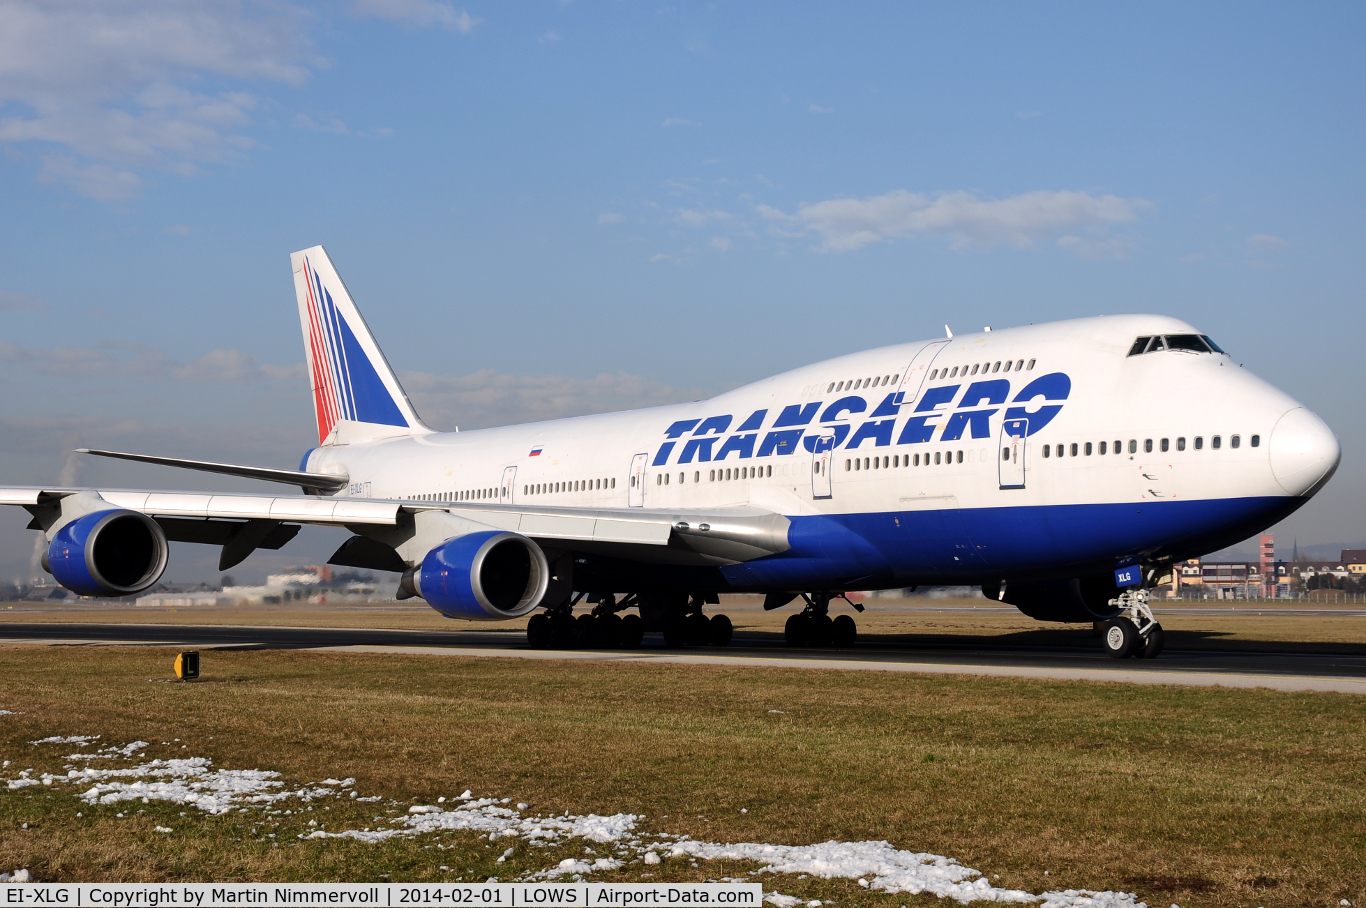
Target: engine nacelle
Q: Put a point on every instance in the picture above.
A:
(486, 575)
(1079, 599)
(108, 553)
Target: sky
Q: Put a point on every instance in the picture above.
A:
(554, 208)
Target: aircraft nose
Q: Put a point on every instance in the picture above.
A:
(1304, 452)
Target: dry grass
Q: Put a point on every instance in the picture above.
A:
(1198, 796)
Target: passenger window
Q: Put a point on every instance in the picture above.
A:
(1005, 452)
(1133, 446)
(1256, 441)
(975, 367)
(933, 373)
(1235, 441)
(681, 477)
(1181, 443)
(1102, 447)
(896, 460)
(1216, 442)
(614, 483)
(1074, 449)
(831, 388)
(847, 465)
(1147, 446)
(865, 463)
(1047, 449)
(1165, 444)
(896, 376)
(1140, 345)
(954, 373)
(1199, 442)
(960, 456)
(1060, 450)
(1007, 368)
(936, 457)
(769, 469)
(713, 476)
(1088, 449)
(1021, 363)
(1119, 446)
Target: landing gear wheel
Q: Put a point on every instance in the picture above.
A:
(795, 630)
(675, 631)
(843, 632)
(586, 631)
(699, 629)
(720, 630)
(631, 632)
(609, 631)
(1121, 637)
(820, 630)
(562, 634)
(538, 631)
(1154, 643)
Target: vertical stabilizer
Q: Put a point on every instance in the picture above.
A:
(356, 396)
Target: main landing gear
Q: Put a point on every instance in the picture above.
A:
(686, 625)
(1134, 631)
(813, 626)
(602, 628)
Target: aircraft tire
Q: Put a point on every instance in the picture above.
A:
(820, 630)
(538, 631)
(795, 630)
(1153, 646)
(562, 632)
(586, 631)
(675, 631)
(631, 631)
(699, 629)
(609, 631)
(720, 630)
(1120, 638)
(843, 632)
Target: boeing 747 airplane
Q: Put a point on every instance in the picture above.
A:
(1064, 468)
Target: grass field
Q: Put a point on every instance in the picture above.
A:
(1193, 796)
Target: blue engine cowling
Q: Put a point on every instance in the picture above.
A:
(485, 575)
(108, 553)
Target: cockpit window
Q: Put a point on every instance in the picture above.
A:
(1191, 343)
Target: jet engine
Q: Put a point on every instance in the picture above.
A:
(108, 553)
(490, 574)
(1078, 600)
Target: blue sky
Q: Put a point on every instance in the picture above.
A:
(552, 208)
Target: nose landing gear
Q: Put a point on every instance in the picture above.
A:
(1134, 631)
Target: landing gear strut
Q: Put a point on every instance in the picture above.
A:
(603, 627)
(686, 625)
(812, 626)
(1134, 631)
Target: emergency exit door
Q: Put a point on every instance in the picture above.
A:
(1011, 456)
(635, 493)
(821, 460)
(509, 483)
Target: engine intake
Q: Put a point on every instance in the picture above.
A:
(483, 575)
(108, 553)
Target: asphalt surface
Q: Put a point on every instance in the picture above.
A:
(980, 656)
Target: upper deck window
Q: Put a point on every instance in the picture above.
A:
(1191, 343)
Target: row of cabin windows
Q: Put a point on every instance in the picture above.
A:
(576, 485)
(466, 495)
(854, 384)
(1216, 442)
(722, 475)
(984, 368)
(856, 464)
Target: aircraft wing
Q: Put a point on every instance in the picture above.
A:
(703, 536)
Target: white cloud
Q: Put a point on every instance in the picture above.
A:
(817, 109)
(720, 244)
(11, 302)
(691, 218)
(610, 217)
(106, 82)
(304, 121)
(489, 398)
(422, 13)
(665, 257)
(111, 360)
(1193, 258)
(549, 37)
(678, 121)
(1263, 242)
(960, 217)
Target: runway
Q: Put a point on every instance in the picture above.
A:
(1203, 668)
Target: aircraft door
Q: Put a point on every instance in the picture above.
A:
(821, 462)
(635, 493)
(509, 483)
(914, 377)
(1011, 459)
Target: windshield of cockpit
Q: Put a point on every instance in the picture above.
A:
(1191, 343)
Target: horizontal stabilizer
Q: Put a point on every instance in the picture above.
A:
(321, 482)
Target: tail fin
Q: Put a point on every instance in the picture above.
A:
(356, 395)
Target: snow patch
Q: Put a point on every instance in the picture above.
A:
(73, 739)
(18, 876)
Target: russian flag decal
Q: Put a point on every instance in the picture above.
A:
(536, 451)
